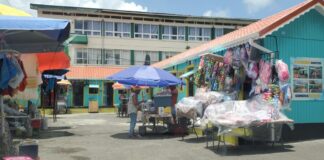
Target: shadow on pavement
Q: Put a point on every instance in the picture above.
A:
(251, 149)
(147, 136)
(58, 128)
(53, 134)
(194, 139)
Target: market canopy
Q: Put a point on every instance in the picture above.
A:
(145, 76)
(52, 61)
(33, 35)
(10, 11)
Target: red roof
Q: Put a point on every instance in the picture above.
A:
(255, 30)
(92, 72)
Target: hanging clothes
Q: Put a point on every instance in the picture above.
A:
(23, 83)
(7, 72)
(17, 79)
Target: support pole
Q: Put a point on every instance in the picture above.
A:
(2, 117)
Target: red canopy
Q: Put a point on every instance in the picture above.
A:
(53, 60)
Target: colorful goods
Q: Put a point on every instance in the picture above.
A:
(252, 71)
(282, 69)
(236, 62)
(228, 56)
(265, 72)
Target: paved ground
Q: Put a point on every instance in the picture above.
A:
(104, 136)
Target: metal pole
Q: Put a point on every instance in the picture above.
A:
(2, 117)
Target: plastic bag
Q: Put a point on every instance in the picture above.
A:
(282, 69)
(189, 107)
(210, 97)
(228, 56)
(244, 56)
(252, 71)
(265, 72)
(236, 62)
(234, 114)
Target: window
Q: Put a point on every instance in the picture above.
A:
(173, 32)
(199, 34)
(81, 56)
(94, 56)
(117, 29)
(116, 57)
(93, 90)
(88, 27)
(107, 57)
(146, 31)
(166, 55)
(219, 32)
(141, 56)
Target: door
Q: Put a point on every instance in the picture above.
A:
(109, 94)
(77, 87)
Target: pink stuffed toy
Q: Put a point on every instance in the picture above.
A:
(282, 70)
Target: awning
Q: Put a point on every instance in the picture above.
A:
(93, 86)
(53, 61)
(92, 72)
(185, 75)
(79, 39)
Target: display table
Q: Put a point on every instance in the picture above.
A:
(266, 132)
(148, 118)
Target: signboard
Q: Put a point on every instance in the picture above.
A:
(307, 78)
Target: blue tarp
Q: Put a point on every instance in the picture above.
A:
(145, 76)
(33, 35)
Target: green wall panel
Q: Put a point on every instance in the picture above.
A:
(304, 37)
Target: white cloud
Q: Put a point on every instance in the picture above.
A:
(219, 13)
(254, 6)
(108, 4)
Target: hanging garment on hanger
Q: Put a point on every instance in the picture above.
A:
(7, 72)
(17, 79)
(23, 83)
(265, 72)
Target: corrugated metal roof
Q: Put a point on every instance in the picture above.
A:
(92, 72)
(255, 30)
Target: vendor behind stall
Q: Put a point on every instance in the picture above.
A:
(174, 99)
(133, 107)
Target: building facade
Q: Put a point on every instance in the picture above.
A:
(296, 36)
(107, 41)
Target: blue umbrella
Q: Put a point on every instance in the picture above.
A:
(145, 76)
(33, 35)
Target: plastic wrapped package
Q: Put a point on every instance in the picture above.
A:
(285, 96)
(234, 114)
(189, 107)
(265, 72)
(244, 56)
(228, 56)
(252, 70)
(236, 62)
(209, 97)
(282, 70)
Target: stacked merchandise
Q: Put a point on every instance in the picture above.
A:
(193, 107)
(268, 96)
(245, 113)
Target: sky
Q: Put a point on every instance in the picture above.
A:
(253, 9)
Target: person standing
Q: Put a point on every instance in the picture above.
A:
(174, 99)
(133, 106)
